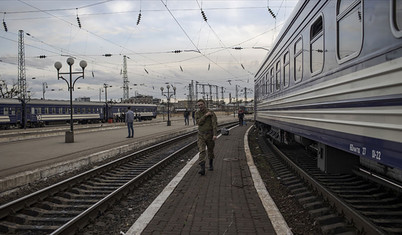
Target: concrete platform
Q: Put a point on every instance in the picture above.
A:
(232, 199)
(26, 161)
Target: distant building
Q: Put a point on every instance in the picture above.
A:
(83, 99)
(156, 101)
(141, 99)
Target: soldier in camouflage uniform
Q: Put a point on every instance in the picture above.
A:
(207, 122)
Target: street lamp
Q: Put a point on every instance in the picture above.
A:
(106, 107)
(168, 94)
(70, 61)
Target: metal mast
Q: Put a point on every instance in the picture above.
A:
(22, 82)
(125, 80)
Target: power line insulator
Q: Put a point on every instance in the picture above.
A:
(139, 18)
(177, 51)
(79, 23)
(42, 56)
(237, 48)
(5, 26)
(272, 13)
(203, 15)
(107, 55)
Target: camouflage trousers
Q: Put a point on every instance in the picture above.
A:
(204, 142)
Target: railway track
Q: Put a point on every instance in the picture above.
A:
(20, 134)
(340, 203)
(67, 206)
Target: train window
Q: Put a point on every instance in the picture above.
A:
(263, 86)
(286, 69)
(349, 29)
(60, 110)
(46, 110)
(5, 111)
(298, 60)
(344, 4)
(317, 46)
(396, 17)
(33, 110)
(267, 83)
(278, 75)
(271, 78)
(53, 110)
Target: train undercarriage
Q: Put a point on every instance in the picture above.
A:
(329, 159)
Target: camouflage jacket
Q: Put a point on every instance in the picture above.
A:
(206, 123)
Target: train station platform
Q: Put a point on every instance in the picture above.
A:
(231, 199)
(29, 160)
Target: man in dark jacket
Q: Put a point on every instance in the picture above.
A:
(207, 133)
(129, 121)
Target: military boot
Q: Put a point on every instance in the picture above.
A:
(202, 170)
(211, 164)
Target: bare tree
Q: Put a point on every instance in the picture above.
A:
(8, 91)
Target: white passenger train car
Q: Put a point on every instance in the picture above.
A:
(334, 79)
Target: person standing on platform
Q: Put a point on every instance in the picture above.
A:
(129, 120)
(186, 117)
(207, 132)
(240, 114)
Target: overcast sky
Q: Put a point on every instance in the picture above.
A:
(110, 27)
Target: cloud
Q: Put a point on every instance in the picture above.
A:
(111, 28)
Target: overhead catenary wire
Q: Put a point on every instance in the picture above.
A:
(141, 62)
(221, 42)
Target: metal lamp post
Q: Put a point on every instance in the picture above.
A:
(106, 106)
(70, 61)
(168, 94)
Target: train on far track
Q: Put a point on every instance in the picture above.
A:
(37, 112)
(333, 82)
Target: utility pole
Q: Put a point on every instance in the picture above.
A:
(125, 79)
(245, 95)
(196, 91)
(223, 99)
(210, 93)
(22, 86)
(191, 94)
(217, 94)
(22, 81)
(237, 97)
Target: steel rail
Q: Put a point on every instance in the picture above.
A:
(32, 198)
(92, 212)
(360, 222)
